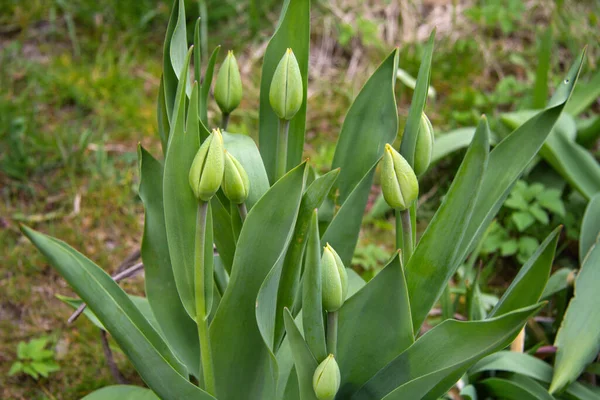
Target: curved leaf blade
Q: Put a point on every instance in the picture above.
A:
(150, 355)
(578, 339)
(304, 360)
(240, 354)
(527, 287)
(590, 227)
(434, 260)
(371, 122)
(122, 392)
(448, 349)
(509, 159)
(375, 326)
(515, 388)
(179, 329)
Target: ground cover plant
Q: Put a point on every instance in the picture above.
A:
(230, 321)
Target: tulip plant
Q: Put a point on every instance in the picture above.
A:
(246, 251)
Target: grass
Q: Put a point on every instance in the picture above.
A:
(78, 86)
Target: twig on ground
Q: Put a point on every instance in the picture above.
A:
(110, 360)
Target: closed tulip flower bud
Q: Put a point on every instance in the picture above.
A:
(236, 184)
(334, 279)
(286, 93)
(206, 173)
(228, 88)
(398, 180)
(424, 147)
(327, 378)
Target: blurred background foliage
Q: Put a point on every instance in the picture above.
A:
(78, 84)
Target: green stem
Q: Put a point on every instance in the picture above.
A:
(201, 313)
(404, 234)
(224, 121)
(332, 328)
(282, 145)
(243, 211)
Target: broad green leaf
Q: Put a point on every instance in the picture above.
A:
(514, 388)
(174, 55)
(578, 339)
(180, 204)
(312, 302)
(205, 90)
(433, 262)
(293, 31)
(244, 149)
(408, 80)
(122, 392)
(573, 162)
(304, 361)
(290, 276)
(527, 365)
(371, 122)
(140, 302)
(374, 327)
(449, 142)
(523, 220)
(559, 280)
(342, 232)
(179, 329)
(162, 116)
(527, 287)
(540, 86)
(417, 104)
(588, 130)
(584, 95)
(509, 159)
(144, 347)
(448, 349)
(240, 354)
(590, 227)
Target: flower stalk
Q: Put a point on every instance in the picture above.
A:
(282, 145)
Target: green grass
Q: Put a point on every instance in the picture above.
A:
(78, 83)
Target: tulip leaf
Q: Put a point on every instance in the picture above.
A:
(290, 276)
(448, 349)
(527, 287)
(205, 90)
(304, 361)
(371, 122)
(342, 233)
(590, 227)
(162, 116)
(180, 204)
(432, 263)
(516, 387)
(122, 392)
(572, 161)
(293, 31)
(509, 159)
(174, 56)
(146, 349)
(578, 339)
(374, 327)
(417, 105)
(244, 149)
(584, 95)
(240, 354)
(312, 290)
(179, 329)
(140, 302)
(527, 365)
(223, 235)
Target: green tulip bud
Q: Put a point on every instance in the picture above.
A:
(326, 379)
(228, 88)
(286, 93)
(424, 148)
(236, 184)
(206, 173)
(399, 183)
(334, 279)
